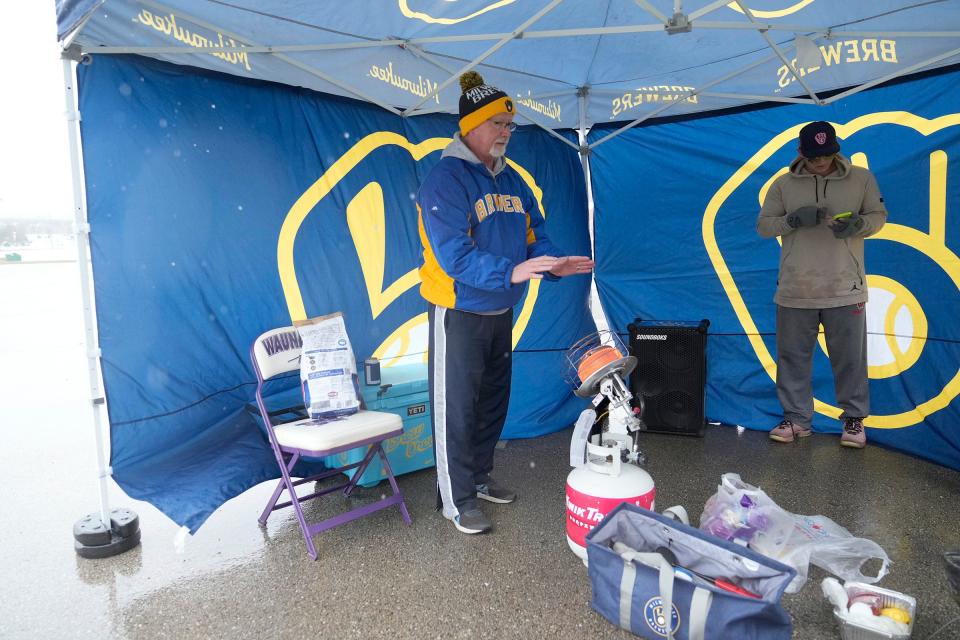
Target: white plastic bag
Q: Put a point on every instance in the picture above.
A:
(744, 513)
(820, 541)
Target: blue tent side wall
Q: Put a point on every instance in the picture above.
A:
(221, 208)
(675, 211)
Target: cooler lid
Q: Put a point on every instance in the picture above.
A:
(396, 381)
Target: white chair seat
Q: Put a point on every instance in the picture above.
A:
(279, 351)
(307, 435)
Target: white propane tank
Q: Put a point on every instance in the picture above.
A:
(593, 491)
(606, 465)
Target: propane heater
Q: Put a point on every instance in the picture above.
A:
(604, 452)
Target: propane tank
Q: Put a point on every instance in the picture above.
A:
(607, 465)
(595, 488)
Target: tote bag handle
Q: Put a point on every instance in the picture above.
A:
(699, 604)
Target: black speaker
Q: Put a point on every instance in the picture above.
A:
(671, 374)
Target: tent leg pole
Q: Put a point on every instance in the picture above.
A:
(107, 533)
(596, 308)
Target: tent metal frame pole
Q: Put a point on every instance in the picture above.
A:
(303, 67)
(812, 30)
(891, 76)
(773, 45)
(710, 8)
(732, 96)
(599, 315)
(451, 109)
(431, 59)
(417, 51)
(82, 232)
(820, 31)
(895, 34)
(68, 41)
(264, 48)
(808, 29)
(753, 98)
(397, 42)
(517, 33)
(681, 98)
(447, 108)
(649, 8)
(549, 94)
(427, 57)
(548, 130)
(584, 150)
(440, 108)
(420, 53)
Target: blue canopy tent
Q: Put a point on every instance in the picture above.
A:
(252, 163)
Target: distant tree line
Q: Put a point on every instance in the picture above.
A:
(15, 231)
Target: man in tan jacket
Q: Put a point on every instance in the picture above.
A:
(822, 209)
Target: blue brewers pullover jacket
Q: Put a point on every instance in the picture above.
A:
(475, 227)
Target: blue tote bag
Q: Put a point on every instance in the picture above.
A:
(640, 589)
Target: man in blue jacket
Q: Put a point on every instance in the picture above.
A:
(483, 238)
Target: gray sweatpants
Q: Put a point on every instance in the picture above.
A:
(845, 330)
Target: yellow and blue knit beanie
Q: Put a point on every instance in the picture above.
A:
(480, 102)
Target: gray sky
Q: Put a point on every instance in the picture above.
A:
(34, 153)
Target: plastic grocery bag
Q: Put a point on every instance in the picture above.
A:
(746, 514)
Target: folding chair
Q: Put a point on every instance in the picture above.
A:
(276, 352)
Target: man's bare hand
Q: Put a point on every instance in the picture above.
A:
(532, 269)
(572, 265)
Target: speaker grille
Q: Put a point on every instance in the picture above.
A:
(671, 374)
(648, 379)
(678, 410)
(680, 355)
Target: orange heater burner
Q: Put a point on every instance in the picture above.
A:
(596, 359)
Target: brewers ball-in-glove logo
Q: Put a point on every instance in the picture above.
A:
(366, 219)
(911, 270)
(656, 617)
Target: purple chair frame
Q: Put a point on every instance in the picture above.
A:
(287, 457)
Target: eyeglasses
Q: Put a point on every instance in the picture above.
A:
(504, 126)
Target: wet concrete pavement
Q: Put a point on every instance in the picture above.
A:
(377, 577)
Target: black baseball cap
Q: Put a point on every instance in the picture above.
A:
(818, 139)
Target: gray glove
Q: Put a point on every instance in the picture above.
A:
(804, 217)
(848, 226)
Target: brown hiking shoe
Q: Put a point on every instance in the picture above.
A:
(786, 431)
(853, 433)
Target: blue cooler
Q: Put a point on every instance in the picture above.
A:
(403, 390)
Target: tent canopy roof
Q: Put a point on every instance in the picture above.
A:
(628, 60)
